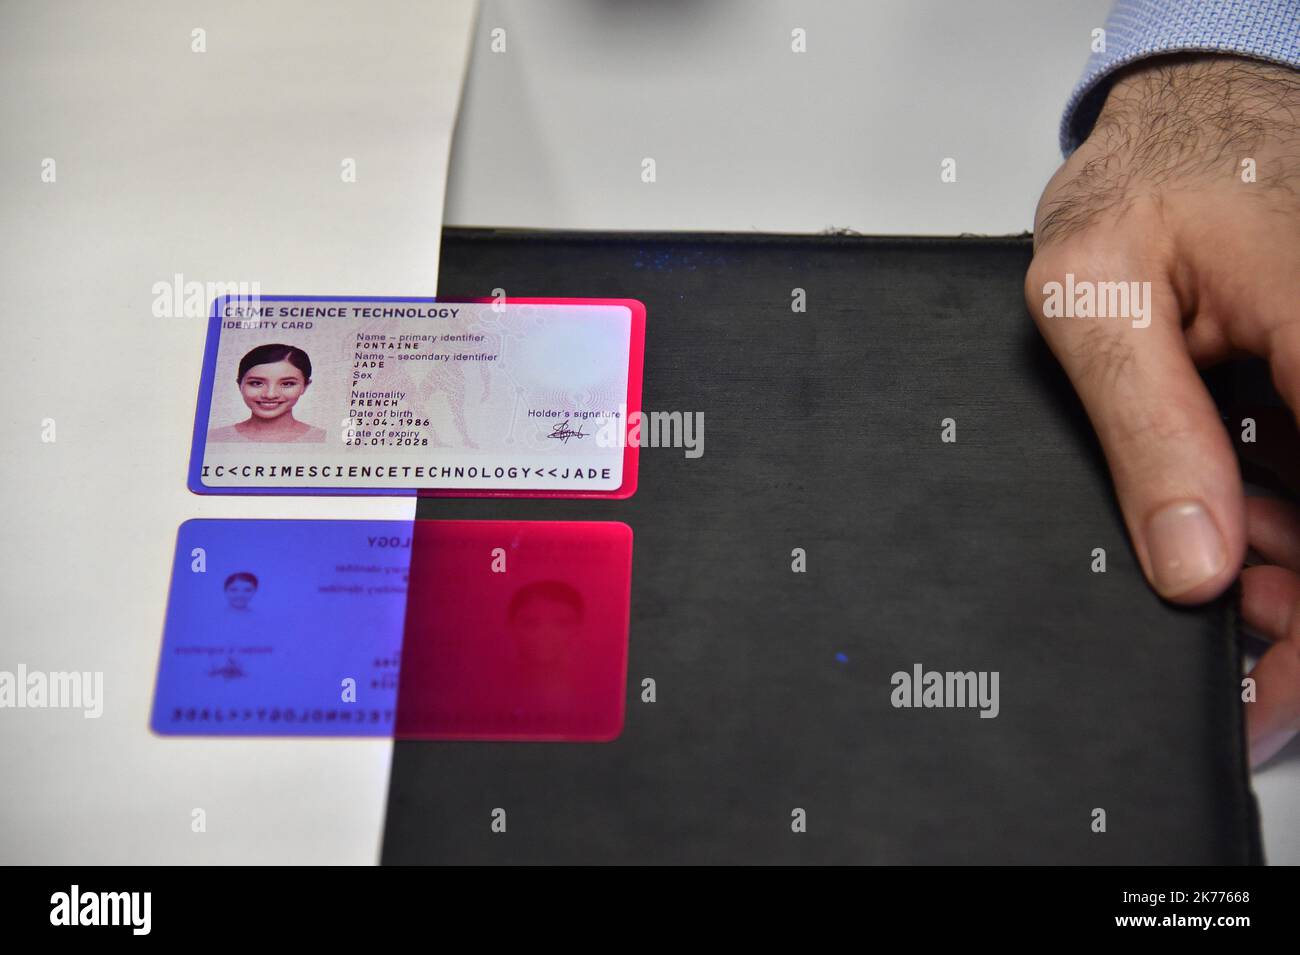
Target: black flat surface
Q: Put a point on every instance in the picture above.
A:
(822, 431)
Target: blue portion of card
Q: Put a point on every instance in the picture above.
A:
(207, 382)
(283, 628)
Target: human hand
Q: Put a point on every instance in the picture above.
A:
(1161, 193)
(1270, 605)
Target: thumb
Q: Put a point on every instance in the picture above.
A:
(1172, 462)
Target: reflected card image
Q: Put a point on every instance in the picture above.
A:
(283, 628)
(453, 630)
(516, 630)
(319, 395)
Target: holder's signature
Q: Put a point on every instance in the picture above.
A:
(563, 432)
(231, 671)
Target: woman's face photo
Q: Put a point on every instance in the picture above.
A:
(239, 593)
(273, 389)
(545, 631)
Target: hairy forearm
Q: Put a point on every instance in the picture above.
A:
(1181, 122)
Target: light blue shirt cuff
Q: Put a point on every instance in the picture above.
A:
(1137, 29)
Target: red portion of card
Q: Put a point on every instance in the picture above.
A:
(635, 372)
(516, 630)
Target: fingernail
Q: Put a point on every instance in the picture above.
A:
(1184, 546)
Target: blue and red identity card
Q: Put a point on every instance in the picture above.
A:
(527, 397)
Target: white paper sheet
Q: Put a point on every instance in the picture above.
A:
(229, 164)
